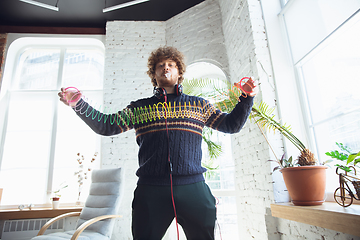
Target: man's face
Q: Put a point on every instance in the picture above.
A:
(166, 73)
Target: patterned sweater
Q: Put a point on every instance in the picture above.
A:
(167, 129)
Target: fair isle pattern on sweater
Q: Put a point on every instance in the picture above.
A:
(184, 117)
(150, 119)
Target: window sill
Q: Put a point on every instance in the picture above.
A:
(328, 215)
(10, 214)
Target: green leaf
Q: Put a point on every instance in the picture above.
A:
(337, 155)
(352, 157)
(345, 168)
(343, 147)
(263, 115)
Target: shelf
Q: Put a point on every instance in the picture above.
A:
(35, 213)
(328, 215)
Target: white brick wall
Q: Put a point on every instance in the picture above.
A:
(197, 32)
(230, 34)
(247, 50)
(128, 45)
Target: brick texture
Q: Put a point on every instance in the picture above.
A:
(128, 45)
(198, 33)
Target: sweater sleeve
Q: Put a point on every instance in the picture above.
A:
(105, 124)
(230, 122)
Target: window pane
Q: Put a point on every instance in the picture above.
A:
(38, 69)
(227, 218)
(74, 136)
(308, 22)
(83, 69)
(343, 129)
(32, 135)
(332, 80)
(223, 177)
(26, 150)
(333, 76)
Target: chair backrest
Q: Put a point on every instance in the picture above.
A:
(104, 199)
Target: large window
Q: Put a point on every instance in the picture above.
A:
(324, 42)
(41, 136)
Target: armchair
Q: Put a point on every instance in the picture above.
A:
(97, 218)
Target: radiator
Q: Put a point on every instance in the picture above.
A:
(28, 228)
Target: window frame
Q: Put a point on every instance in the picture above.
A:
(300, 121)
(300, 83)
(16, 45)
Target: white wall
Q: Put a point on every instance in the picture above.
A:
(198, 33)
(128, 45)
(247, 50)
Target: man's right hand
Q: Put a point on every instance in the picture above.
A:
(70, 96)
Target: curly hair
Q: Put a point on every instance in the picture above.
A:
(163, 53)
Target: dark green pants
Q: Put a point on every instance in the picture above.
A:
(152, 211)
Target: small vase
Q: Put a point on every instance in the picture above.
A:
(56, 203)
(78, 203)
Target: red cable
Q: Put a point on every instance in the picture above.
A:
(170, 165)
(173, 202)
(217, 202)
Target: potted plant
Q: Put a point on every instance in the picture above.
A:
(56, 198)
(304, 179)
(347, 161)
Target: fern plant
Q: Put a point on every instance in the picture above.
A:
(214, 151)
(195, 87)
(225, 98)
(264, 117)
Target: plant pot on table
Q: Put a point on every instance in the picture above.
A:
(305, 184)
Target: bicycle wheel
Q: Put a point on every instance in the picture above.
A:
(343, 197)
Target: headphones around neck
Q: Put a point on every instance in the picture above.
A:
(160, 93)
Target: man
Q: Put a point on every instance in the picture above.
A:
(168, 130)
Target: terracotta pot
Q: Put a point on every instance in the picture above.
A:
(306, 184)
